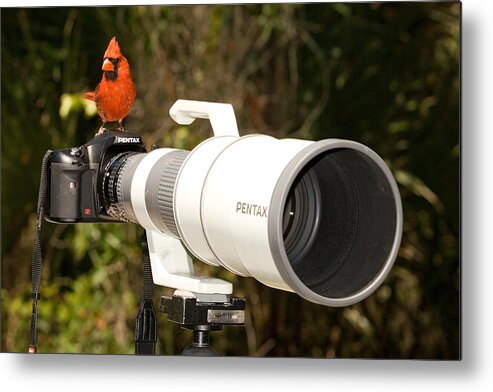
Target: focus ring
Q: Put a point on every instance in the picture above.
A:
(166, 189)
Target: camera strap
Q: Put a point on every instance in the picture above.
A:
(146, 323)
(37, 262)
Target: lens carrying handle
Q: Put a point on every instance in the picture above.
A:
(221, 115)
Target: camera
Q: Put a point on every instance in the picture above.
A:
(83, 180)
(322, 219)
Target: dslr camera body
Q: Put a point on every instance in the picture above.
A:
(82, 184)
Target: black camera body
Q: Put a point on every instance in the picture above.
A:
(80, 183)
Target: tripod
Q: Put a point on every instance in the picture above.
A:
(203, 313)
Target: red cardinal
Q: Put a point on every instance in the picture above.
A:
(115, 94)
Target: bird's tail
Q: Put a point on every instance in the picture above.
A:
(91, 96)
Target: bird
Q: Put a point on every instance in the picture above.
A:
(115, 94)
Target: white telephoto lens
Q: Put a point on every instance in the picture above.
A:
(322, 219)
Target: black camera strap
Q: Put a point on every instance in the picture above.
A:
(37, 255)
(146, 323)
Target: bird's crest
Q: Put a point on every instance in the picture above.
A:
(113, 49)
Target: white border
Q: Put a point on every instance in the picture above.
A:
(473, 373)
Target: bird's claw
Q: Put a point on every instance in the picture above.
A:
(101, 131)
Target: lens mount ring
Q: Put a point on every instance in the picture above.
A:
(112, 189)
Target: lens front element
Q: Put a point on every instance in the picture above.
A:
(301, 216)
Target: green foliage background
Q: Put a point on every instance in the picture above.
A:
(384, 74)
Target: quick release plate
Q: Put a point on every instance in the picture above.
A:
(190, 312)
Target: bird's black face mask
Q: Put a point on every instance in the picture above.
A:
(112, 75)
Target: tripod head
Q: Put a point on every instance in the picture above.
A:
(203, 313)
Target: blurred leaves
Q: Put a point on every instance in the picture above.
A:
(384, 74)
(74, 103)
(417, 186)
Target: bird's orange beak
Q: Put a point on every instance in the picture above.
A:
(108, 65)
